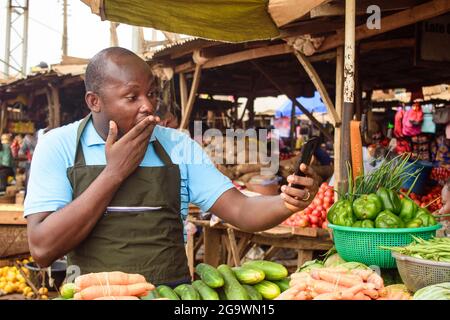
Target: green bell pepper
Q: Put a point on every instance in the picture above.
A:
(357, 224)
(414, 223)
(390, 200)
(368, 224)
(367, 206)
(341, 213)
(386, 219)
(426, 217)
(408, 210)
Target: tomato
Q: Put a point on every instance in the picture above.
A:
(329, 193)
(316, 213)
(308, 210)
(327, 199)
(325, 225)
(317, 202)
(314, 225)
(313, 219)
(320, 196)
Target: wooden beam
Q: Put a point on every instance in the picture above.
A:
(190, 253)
(54, 95)
(183, 94)
(338, 8)
(185, 67)
(246, 55)
(335, 118)
(339, 170)
(304, 110)
(192, 96)
(212, 245)
(233, 247)
(394, 21)
(285, 11)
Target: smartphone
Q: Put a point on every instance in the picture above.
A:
(308, 150)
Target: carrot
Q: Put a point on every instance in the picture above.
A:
(364, 274)
(290, 293)
(107, 278)
(321, 286)
(345, 280)
(349, 294)
(303, 295)
(137, 289)
(376, 280)
(361, 296)
(328, 296)
(372, 293)
(117, 298)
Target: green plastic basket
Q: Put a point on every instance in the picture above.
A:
(362, 244)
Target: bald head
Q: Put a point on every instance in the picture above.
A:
(99, 68)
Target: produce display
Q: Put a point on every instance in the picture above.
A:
(13, 280)
(315, 215)
(375, 201)
(431, 200)
(435, 292)
(436, 249)
(254, 280)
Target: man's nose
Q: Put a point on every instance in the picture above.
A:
(147, 106)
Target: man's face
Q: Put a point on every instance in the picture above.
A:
(129, 93)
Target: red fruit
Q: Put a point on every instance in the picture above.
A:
(320, 196)
(325, 225)
(316, 213)
(327, 199)
(308, 210)
(303, 223)
(329, 193)
(313, 219)
(314, 225)
(317, 202)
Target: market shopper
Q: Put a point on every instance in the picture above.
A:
(108, 191)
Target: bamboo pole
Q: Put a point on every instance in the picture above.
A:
(349, 89)
(315, 78)
(192, 96)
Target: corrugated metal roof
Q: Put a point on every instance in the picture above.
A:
(183, 44)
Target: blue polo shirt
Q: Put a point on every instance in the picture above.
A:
(49, 188)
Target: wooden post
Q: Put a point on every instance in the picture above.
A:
(298, 104)
(113, 40)
(349, 88)
(320, 87)
(192, 96)
(339, 170)
(358, 91)
(3, 116)
(56, 106)
(190, 253)
(233, 247)
(183, 94)
(212, 246)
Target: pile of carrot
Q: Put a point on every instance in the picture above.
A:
(114, 285)
(335, 284)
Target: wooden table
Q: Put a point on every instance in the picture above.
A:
(224, 243)
(13, 232)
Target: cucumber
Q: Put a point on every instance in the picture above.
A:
(209, 275)
(252, 292)
(167, 292)
(151, 295)
(221, 293)
(282, 284)
(267, 289)
(272, 270)
(205, 292)
(233, 289)
(187, 292)
(248, 275)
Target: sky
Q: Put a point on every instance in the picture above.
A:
(87, 34)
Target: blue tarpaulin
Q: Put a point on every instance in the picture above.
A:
(313, 105)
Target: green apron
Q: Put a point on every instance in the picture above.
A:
(141, 230)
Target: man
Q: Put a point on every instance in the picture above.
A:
(108, 190)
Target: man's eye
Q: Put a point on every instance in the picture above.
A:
(131, 98)
(152, 94)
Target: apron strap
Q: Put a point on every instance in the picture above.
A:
(79, 155)
(161, 153)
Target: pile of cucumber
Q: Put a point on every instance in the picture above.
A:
(254, 280)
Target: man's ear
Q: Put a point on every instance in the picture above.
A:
(93, 101)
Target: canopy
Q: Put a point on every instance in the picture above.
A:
(313, 104)
(224, 20)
